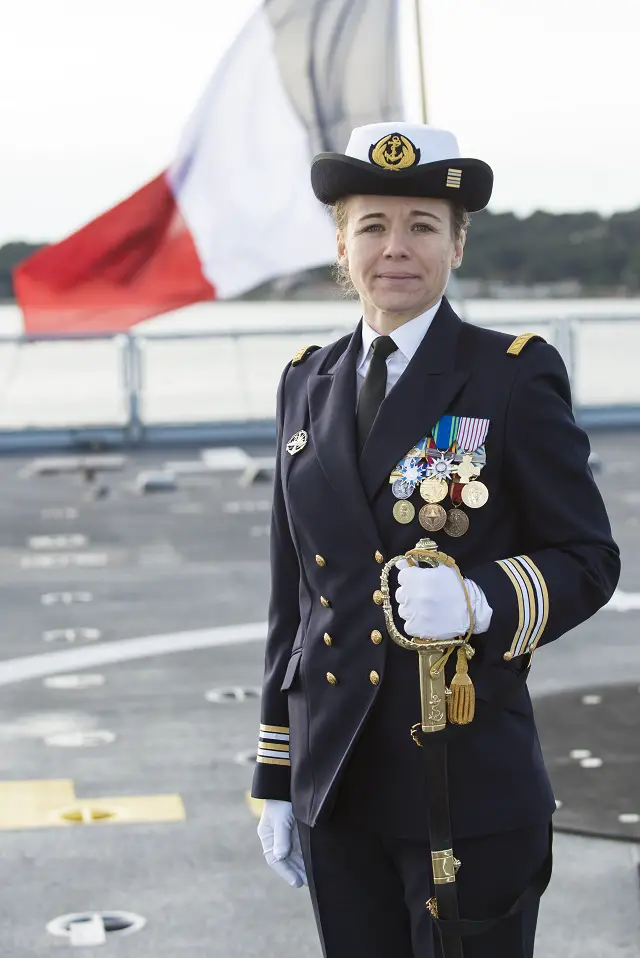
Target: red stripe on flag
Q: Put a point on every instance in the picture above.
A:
(134, 262)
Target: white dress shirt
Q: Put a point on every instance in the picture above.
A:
(406, 337)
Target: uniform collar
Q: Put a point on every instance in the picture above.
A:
(406, 337)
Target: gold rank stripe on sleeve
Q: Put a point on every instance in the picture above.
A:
(533, 603)
(273, 747)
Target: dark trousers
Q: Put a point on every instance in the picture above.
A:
(369, 891)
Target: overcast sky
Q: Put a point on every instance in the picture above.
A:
(93, 97)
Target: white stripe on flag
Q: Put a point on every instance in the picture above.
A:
(242, 174)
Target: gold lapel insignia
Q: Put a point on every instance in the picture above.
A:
(297, 442)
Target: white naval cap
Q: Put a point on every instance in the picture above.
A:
(402, 159)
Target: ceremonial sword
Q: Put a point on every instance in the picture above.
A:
(438, 704)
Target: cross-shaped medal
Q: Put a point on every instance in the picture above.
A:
(466, 469)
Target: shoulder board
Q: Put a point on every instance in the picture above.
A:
(520, 342)
(303, 354)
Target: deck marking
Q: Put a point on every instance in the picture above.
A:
(125, 650)
(42, 803)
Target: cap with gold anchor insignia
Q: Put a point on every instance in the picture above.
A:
(402, 159)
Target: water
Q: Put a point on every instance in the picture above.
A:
(234, 377)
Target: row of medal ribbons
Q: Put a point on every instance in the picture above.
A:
(444, 464)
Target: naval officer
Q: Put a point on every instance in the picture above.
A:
(417, 424)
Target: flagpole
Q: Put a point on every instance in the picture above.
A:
(421, 69)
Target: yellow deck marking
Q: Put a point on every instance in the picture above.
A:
(40, 803)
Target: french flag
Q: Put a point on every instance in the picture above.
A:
(236, 207)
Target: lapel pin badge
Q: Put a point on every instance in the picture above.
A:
(297, 442)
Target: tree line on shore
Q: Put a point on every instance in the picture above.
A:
(595, 254)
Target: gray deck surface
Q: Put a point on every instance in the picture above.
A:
(197, 559)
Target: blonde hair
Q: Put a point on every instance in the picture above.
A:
(460, 222)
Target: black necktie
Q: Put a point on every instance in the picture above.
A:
(373, 388)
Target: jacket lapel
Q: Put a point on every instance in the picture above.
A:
(332, 412)
(426, 388)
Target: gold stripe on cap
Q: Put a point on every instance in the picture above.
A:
(453, 178)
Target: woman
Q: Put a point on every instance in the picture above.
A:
(417, 424)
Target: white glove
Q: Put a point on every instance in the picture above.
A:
(278, 833)
(432, 602)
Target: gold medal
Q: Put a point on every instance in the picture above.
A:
(433, 490)
(457, 523)
(432, 517)
(404, 511)
(475, 494)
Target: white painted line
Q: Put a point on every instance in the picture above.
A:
(623, 602)
(57, 542)
(85, 680)
(70, 635)
(81, 739)
(59, 513)
(248, 506)
(66, 598)
(126, 650)
(93, 560)
(629, 818)
(579, 754)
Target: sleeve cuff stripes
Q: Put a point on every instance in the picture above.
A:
(273, 747)
(533, 603)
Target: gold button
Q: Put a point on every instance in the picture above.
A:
(379, 557)
(321, 562)
(507, 656)
(378, 598)
(331, 679)
(376, 637)
(374, 678)
(325, 602)
(327, 639)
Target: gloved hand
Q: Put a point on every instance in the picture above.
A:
(278, 833)
(432, 602)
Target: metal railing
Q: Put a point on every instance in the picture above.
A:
(214, 386)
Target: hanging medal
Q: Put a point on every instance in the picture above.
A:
(475, 494)
(434, 489)
(457, 523)
(432, 517)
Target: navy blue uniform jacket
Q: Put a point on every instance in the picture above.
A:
(541, 550)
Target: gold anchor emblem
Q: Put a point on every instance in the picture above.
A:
(297, 442)
(394, 152)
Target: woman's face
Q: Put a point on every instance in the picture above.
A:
(399, 250)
